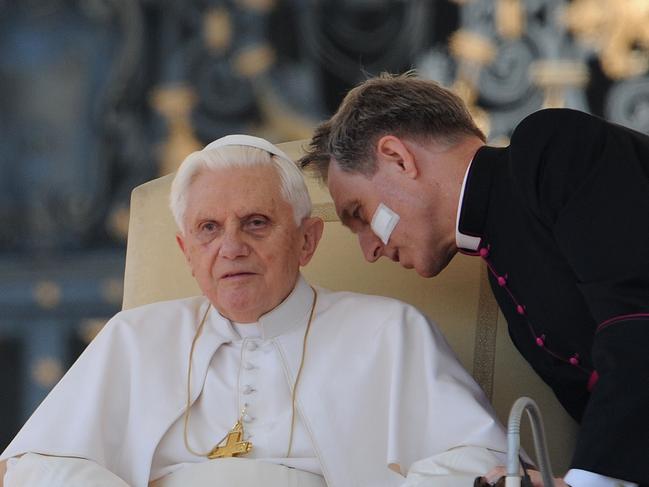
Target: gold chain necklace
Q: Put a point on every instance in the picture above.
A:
(234, 444)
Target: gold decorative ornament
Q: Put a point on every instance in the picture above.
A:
(262, 6)
(47, 294)
(117, 224)
(470, 46)
(90, 327)
(554, 76)
(217, 29)
(232, 444)
(175, 103)
(254, 60)
(510, 18)
(500, 141)
(47, 371)
(481, 118)
(281, 122)
(473, 52)
(616, 29)
(112, 290)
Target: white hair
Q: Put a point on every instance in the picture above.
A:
(293, 187)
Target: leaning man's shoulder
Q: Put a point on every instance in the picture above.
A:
(548, 118)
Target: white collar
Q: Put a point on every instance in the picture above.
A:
(289, 314)
(467, 242)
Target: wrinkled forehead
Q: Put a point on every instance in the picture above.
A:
(239, 178)
(256, 186)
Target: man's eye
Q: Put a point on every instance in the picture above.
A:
(208, 227)
(257, 223)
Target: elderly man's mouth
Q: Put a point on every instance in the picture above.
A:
(237, 275)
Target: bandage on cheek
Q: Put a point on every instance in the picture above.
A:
(383, 222)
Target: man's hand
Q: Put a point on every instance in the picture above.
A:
(537, 481)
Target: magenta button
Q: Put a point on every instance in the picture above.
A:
(592, 380)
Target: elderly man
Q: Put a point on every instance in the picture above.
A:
(561, 217)
(323, 388)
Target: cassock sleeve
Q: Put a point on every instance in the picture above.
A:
(441, 424)
(587, 181)
(46, 471)
(84, 415)
(453, 468)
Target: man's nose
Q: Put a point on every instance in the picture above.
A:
(233, 245)
(371, 245)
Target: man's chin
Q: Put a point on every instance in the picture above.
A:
(431, 270)
(427, 272)
(422, 271)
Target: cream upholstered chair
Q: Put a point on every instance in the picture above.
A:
(458, 300)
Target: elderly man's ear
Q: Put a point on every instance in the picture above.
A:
(180, 240)
(312, 229)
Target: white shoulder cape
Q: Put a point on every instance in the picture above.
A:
(380, 387)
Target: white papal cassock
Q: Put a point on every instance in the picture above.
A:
(380, 391)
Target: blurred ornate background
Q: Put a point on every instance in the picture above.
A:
(98, 96)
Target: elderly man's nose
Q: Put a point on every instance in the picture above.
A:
(371, 245)
(232, 245)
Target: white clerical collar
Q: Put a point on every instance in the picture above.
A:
(467, 242)
(289, 314)
(247, 330)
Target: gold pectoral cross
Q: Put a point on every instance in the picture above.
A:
(232, 445)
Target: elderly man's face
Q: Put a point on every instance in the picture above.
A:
(241, 240)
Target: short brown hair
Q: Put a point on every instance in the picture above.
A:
(401, 105)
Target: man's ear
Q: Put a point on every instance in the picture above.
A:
(393, 152)
(180, 240)
(312, 229)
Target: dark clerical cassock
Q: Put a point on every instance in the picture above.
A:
(563, 217)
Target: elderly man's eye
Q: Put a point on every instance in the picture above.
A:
(257, 223)
(208, 227)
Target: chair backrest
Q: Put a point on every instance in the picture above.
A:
(458, 300)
